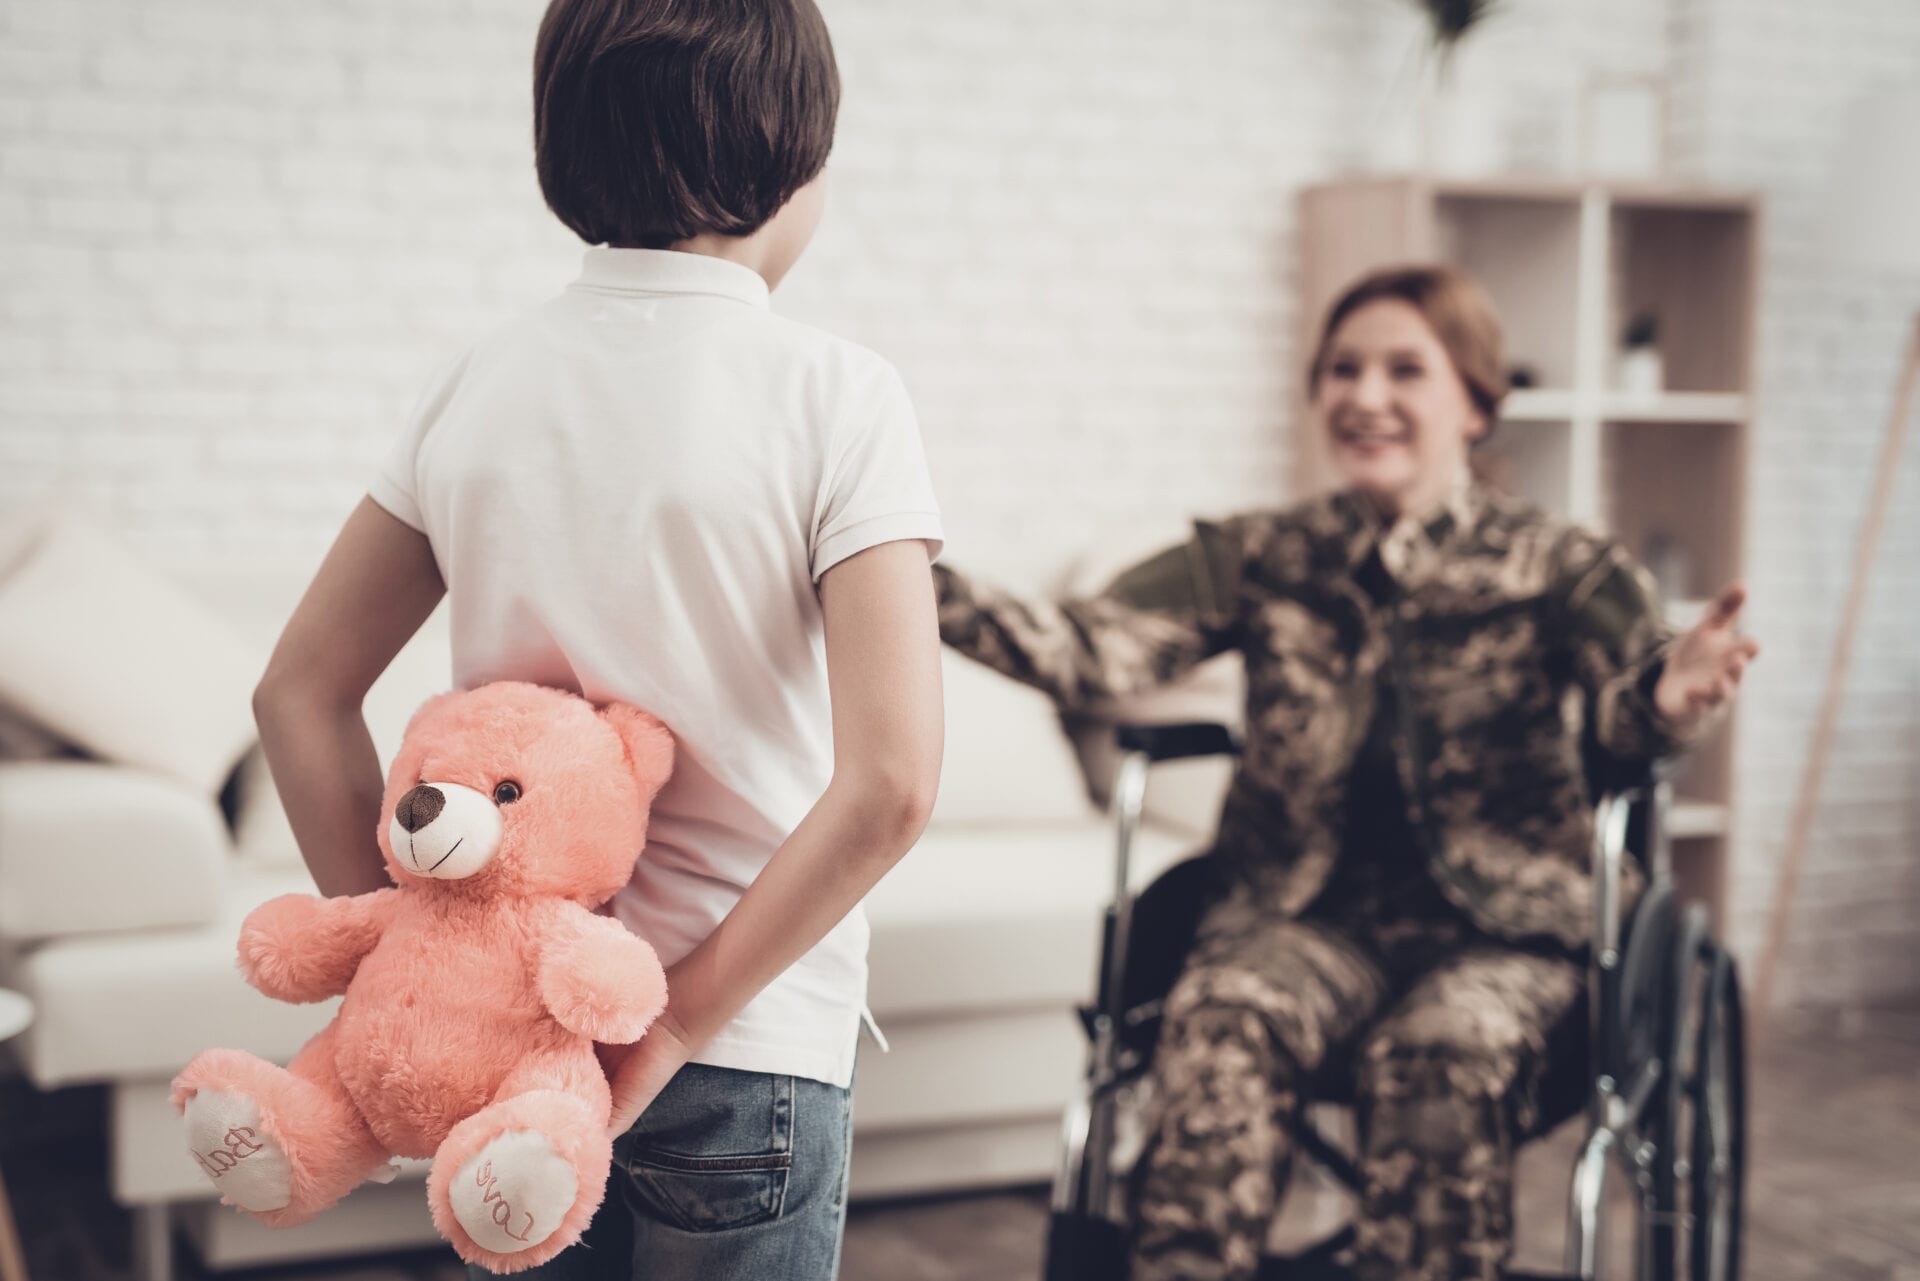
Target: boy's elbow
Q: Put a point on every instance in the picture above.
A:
(268, 697)
(279, 691)
(916, 803)
(899, 801)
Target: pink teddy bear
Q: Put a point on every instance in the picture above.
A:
(474, 990)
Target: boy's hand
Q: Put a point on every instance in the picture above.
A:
(883, 680)
(638, 1072)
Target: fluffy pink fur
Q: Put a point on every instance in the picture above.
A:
(472, 1005)
(577, 1134)
(306, 1109)
(593, 976)
(300, 949)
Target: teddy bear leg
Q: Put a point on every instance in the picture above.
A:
(518, 1182)
(280, 1143)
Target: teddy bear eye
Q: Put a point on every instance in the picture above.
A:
(506, 793)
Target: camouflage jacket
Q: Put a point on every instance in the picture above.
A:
(1505, 633)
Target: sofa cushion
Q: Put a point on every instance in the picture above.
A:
(989, 919)
(24, 739)
(143, 1004)
(87, 848)
(105, 651)
(1006, 762)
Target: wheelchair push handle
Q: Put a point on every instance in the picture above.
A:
(1178, 741)
(1143, 746)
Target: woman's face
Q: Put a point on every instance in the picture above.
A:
(1397, 415)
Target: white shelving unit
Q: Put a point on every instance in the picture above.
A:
(1568, 266)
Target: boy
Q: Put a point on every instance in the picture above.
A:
(653, 491)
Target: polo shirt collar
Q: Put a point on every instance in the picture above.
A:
(667, 271)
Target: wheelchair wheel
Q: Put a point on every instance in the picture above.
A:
(1718, 1167)
(1083, 1248)
(1669, 1121)
(1082, 1243)
(1698, 1127)
(1645, 999)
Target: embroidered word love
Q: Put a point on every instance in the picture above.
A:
(241, 1144)
(502, 1208)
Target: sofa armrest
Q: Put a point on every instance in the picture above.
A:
(88, 848)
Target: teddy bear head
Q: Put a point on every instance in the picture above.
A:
(519, 790)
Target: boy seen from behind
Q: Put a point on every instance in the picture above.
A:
(652, 490)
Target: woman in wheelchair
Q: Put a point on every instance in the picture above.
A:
(1405, 897)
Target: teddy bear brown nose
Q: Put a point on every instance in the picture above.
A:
(419, 807)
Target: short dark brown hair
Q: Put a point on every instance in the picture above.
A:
(657, 120)
(1454, 307)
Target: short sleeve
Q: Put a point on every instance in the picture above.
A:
(875, 488)
(396, 485)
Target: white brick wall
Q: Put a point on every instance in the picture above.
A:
(235, 238)
(1768, 84)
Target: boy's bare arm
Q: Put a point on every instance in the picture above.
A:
(883, 670)
(375, 588)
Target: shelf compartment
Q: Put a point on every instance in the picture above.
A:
(1523, 250)
(1674, 501)
(1693, 270)
(1678, 407)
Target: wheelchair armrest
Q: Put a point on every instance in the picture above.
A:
(1177, 742)
(1610, 776)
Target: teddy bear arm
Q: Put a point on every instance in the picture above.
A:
(599, 980)
(302, 948)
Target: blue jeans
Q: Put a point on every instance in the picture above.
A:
(727, 1175)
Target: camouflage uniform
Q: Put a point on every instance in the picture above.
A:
(1407, 839)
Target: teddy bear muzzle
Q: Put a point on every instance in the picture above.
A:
(444, 831)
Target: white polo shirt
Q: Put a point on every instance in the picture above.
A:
(632, 492)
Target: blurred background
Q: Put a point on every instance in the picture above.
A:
(235, 239)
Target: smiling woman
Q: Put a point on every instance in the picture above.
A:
(1399, 884)
(1407, 376)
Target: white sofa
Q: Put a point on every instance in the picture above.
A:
(121, 894)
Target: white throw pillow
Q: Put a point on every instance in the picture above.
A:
(100, 648)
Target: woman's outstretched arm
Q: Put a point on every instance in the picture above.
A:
(1152, 624)
(1649, 692)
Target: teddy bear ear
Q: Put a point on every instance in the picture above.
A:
(425, 710)
(649, 745)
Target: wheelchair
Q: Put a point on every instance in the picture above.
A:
(1654, 1051)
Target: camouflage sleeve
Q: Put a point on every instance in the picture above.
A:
(1618, 642)
(1149, 626)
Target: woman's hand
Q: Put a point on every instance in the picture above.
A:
(638, 1072)
(1705, 664)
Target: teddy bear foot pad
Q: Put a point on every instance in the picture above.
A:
(248, 1165)
(513, 1193)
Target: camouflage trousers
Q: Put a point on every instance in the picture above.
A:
(1443, 1032)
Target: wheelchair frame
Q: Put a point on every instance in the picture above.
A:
(1665, 1086)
